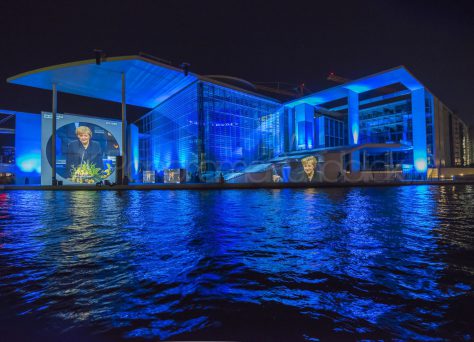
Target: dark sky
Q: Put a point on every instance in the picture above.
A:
(292, 41)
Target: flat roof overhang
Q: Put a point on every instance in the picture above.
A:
(385, 78)
(148, 82)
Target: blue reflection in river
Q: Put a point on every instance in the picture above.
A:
(274, 264)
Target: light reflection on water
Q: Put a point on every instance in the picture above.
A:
(276, 264)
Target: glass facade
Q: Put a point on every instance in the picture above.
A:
(212, 126)
(169, 133)
(386, 123)
(392, 123)
(238, 128)
(334, 132)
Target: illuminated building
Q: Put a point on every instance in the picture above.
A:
(392, 118)
(391, 108)
(208, 126)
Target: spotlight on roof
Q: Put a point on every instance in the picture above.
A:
(99, 56)
(185, 66)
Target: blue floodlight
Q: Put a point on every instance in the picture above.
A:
(420, 164)
(30, 162)
(27, 147)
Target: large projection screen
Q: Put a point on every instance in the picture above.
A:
(86, 149)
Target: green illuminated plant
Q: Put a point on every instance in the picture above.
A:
(89, 173)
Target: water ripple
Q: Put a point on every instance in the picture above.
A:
(358, 263)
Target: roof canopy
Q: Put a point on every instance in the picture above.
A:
(388, 77)
(148, 82)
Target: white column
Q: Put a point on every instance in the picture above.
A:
(124, 131)
(420, 156)
(53, 134)
(353, 127)
(304, 126)
(353, 119)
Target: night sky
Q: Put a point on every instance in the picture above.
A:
(259, 41)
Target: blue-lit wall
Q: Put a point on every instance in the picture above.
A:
(28, 148)
(239, 128)
(169, 133)
(211, 126)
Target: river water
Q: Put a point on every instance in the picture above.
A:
(250, 265)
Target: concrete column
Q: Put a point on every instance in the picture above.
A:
(304, 126)
(420, 157)
(353, 128)
(54, 110)
(353, 119)
(124, 131)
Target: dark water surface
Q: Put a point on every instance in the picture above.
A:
(251, 265)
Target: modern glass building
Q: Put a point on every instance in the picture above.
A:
(207, 127)
(392, 122)
(389, 120)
